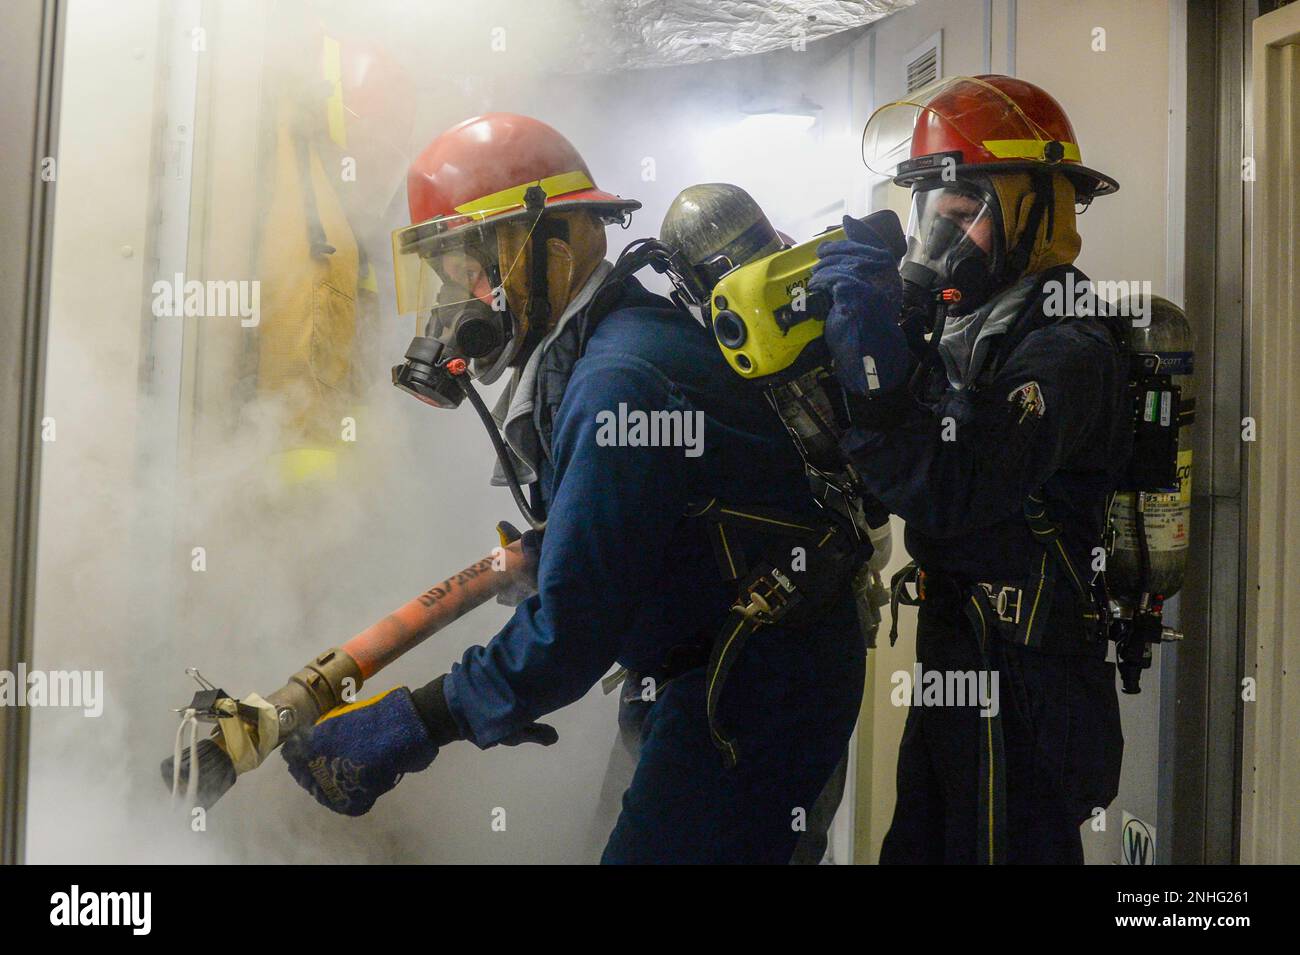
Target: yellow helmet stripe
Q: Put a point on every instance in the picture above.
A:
(1027, 149)
(560, 185)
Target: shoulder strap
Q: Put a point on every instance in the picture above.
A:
(807, 563)
(557, 363)
(562, 354)
(1048, 533)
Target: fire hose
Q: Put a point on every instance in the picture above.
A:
(249, 729)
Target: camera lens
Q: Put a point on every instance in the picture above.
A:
(730, 329)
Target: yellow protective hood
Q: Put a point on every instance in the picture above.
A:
(569, 263)
(1015, 194)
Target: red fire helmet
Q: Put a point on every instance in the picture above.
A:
(484, 164)
(987, 124)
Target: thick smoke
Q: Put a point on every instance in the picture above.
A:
(169, 437)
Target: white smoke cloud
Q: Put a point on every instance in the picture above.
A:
(137, 477)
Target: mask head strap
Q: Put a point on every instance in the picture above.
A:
(539, 297)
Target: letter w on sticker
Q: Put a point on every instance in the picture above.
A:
(1028, 399)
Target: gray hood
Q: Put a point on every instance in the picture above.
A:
(514, 409)
(966, 338)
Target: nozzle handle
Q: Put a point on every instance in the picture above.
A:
(325, 681)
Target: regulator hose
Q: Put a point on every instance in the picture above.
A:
(536, 522)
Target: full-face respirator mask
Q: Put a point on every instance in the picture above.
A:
(955, 251)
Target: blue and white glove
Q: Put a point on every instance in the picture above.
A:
(860, 274)
(356, 753)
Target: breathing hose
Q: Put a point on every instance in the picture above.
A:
(503, 453)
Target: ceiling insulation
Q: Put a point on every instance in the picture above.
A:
(636, 34)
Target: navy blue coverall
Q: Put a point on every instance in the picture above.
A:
(624, 577)
(1048, 418)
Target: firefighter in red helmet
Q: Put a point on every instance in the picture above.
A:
(996, 427)
(621, 416)
(489, 269)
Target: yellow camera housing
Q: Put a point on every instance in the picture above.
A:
(762, 314)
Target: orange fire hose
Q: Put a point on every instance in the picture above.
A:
(410, 624)
(333, 677)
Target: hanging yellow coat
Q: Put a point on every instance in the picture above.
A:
(308, 265)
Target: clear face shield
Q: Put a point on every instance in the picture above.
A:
(887, 137)
(953, 242)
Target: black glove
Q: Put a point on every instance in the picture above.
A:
(431, 704)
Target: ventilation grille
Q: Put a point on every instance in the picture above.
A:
(924, 64)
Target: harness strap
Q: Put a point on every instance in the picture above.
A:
(789, 579)
(1048, 533)
(731, 560)
(765, 520)
(909, 573)
(766, 598)
(726, 650)
(991, 827)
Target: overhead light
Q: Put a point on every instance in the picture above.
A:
(773, 115)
